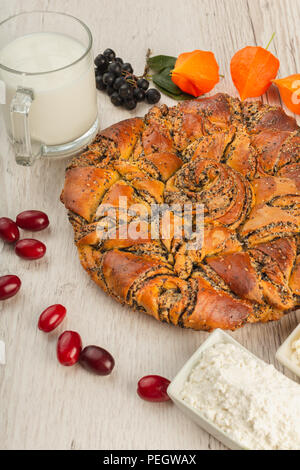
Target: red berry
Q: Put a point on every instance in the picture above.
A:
(9, 231)
(32, 220)
(69, 347)
(51, 317)
(28, 248)
(97, 360)
(9, 286)
(153, 388)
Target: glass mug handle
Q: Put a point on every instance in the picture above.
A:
(19, 115)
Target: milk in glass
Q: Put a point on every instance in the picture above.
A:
(64, 105)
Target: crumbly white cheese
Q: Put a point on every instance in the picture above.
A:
(296, 352)
(247, 399)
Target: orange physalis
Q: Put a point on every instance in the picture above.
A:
(252, 71)
(196, 72)
(289, 88)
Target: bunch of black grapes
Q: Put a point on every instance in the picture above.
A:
(117, 79)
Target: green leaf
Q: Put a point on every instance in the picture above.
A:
(182, 96)
(159, 62)
(163, 79)
(163, 65)
(164, 83)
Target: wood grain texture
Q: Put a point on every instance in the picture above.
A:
(42, 404)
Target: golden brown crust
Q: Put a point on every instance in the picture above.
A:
(216, 309)
(120, 270)
(84, 188)
(242, 162)
(124, 134)
(237, 272)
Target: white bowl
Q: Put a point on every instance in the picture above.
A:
(284, 353)
(176, 386)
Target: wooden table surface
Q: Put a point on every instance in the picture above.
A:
(42, 404)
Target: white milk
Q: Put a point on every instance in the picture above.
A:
(65, 102)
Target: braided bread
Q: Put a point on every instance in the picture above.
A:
(242, 162)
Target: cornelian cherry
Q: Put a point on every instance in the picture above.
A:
(32, 220)
(97, 360)
(69, 347)
(28, 248)
(51, 317)
(9, 286)
(9, 231)
(153, 388)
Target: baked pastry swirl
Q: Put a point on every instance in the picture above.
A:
(241, 161)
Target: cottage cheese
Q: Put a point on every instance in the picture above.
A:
(296, 352)
(249, 400)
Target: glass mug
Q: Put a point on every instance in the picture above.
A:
(47, 85)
